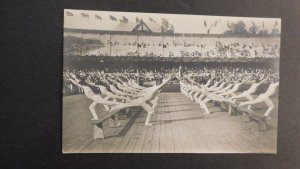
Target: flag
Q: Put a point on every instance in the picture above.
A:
(215, 24)
(275, 24)
(84, 15)
(98, 17)
(69, 13)
(125, 19)
(205, 24)
(152, 20)
(228, 25)
(112, 18)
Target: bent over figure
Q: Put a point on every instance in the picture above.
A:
(143, 99)
(97, 99)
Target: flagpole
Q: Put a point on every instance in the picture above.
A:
(110, 43)
(85, 46)
(201, 39)
(99, 43)
(192, 38)
(137, 44)
(163, 45)
(81, 42)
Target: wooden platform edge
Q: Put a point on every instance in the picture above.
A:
(253, 116)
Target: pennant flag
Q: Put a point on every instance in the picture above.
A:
(275, 24)
(84, 15)
(152, 20)
(125, 19)
(98, 17)
(205, 24)
(69, 13)
(112, 18)
(215, 24)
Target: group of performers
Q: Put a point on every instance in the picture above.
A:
(119, 92)
(227, 90)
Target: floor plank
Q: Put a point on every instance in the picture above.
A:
(179, 127)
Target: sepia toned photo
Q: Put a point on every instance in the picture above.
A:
(169, 83)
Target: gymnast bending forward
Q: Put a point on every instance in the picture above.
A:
(143, 99)
(97, 99)
(265, 98)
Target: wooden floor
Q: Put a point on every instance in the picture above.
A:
(179, 127)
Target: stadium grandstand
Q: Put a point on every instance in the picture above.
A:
(143, 39)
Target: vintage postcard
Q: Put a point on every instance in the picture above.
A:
(169, 83)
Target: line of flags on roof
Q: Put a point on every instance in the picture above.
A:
(111, 17)
(164, 21)
(229, 25)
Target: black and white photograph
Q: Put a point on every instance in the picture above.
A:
(169, 83)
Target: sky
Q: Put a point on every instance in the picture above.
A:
(182, 23)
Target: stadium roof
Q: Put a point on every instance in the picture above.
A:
(140, 26)
(126, 27)
(154, 27)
